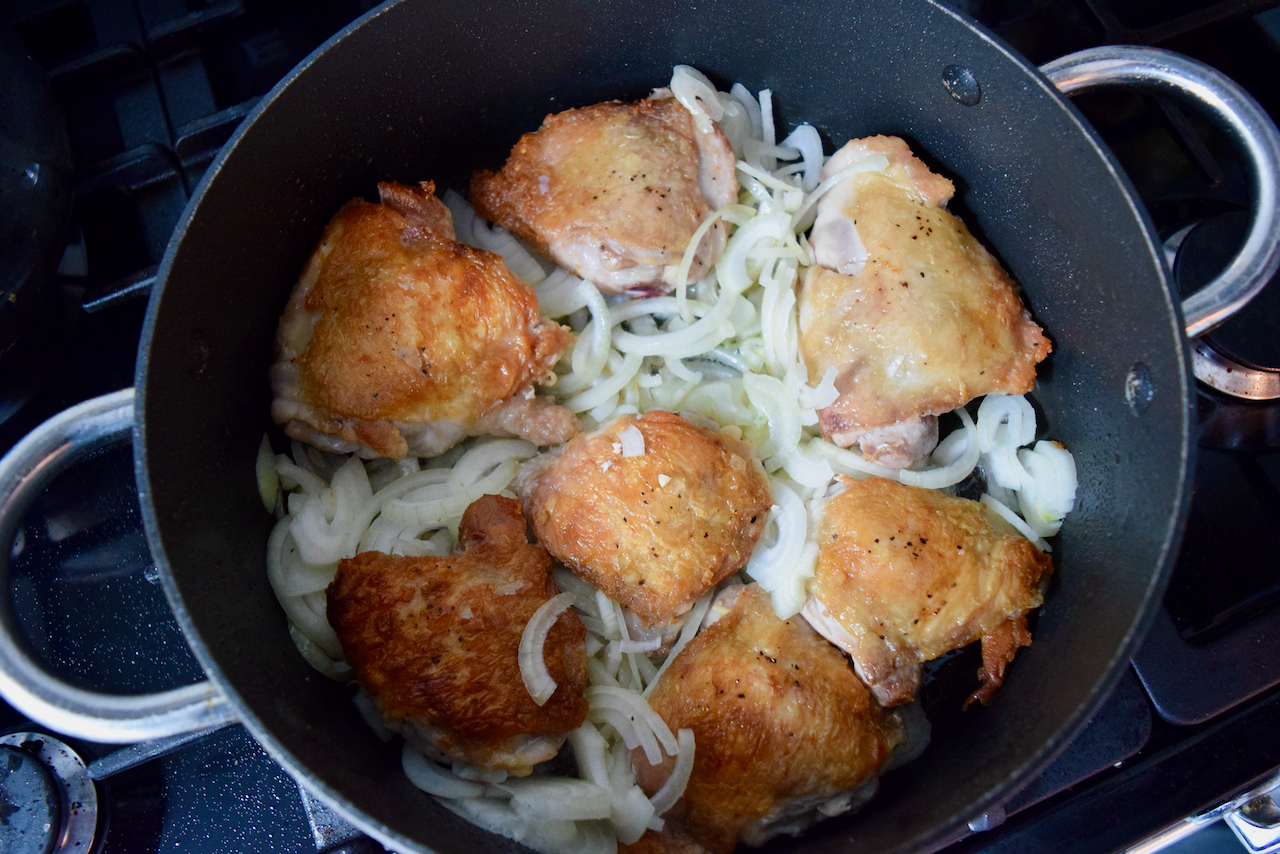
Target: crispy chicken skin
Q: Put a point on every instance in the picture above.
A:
(434, 642)
(653, 531)
(784, 732)
(912, 311)
(398, 340)
(614, 192)
(906, 574)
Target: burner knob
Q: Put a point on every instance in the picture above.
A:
(30, 810)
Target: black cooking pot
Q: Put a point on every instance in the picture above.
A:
(427, 90)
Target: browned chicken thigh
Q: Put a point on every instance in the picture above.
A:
(435, 642)
(614, 192)
(784, 732)
(905, 574)
(654, 530)
(913, 313)
(398, 340)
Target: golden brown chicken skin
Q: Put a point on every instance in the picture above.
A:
(614, 192)
(905, 574)
(653, 531)
(784, 732)
(434, 641)
(399, 340)
(913, 312)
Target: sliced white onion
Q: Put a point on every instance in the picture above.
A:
(294, 476)
(335, 669)
(315, 627)
(952, 474)
(471, 230)
(557, 798)
(692, 340)
(771, 397)
(783, 562)
(666, 797)
(439, 512)
(807, 469)
(600, 674)
(1049, 492)
(1016, 521)
(803, 217)
(604, 389)
(731, 269)
(467, 771)
(808, 142)
(690, 628)
(631, 813)
(951, 448)
(592, 754)
(1005, 419)
(641, 646)
(319, 541)
(690, 253)
(697, 94)
(484, 457)
(434, 779)
(608, 616)
(268, 477)
(632, 441)
(750, 104)
(533, 666)
(849, 462)
(624, 709)
(823, 394)
(1005, 468)
(300, 577)
(562, 293)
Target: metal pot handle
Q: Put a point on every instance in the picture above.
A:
(24, 471)
(1241, 117)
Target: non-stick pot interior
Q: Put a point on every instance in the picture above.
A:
(429, 90)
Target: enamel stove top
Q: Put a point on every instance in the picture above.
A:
(150, 89)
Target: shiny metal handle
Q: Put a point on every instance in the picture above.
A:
(24, 471)
(1241, 117)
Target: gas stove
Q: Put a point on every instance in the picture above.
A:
(151, 89)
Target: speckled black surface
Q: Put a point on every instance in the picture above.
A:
(86, 592)
(221, 795)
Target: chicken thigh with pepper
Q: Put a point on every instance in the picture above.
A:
(399, 341)
(914, 314)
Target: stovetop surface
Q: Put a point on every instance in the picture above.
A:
(152, 88)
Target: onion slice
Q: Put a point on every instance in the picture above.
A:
(434, 780)
(666, 797)
(533, 666)
(632, 441)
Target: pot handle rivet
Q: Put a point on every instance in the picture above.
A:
(28, 687)
(1138, 388)
(1241, 117)
(962, 85)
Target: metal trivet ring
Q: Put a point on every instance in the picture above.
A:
(77, 793)
(1231, 377)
